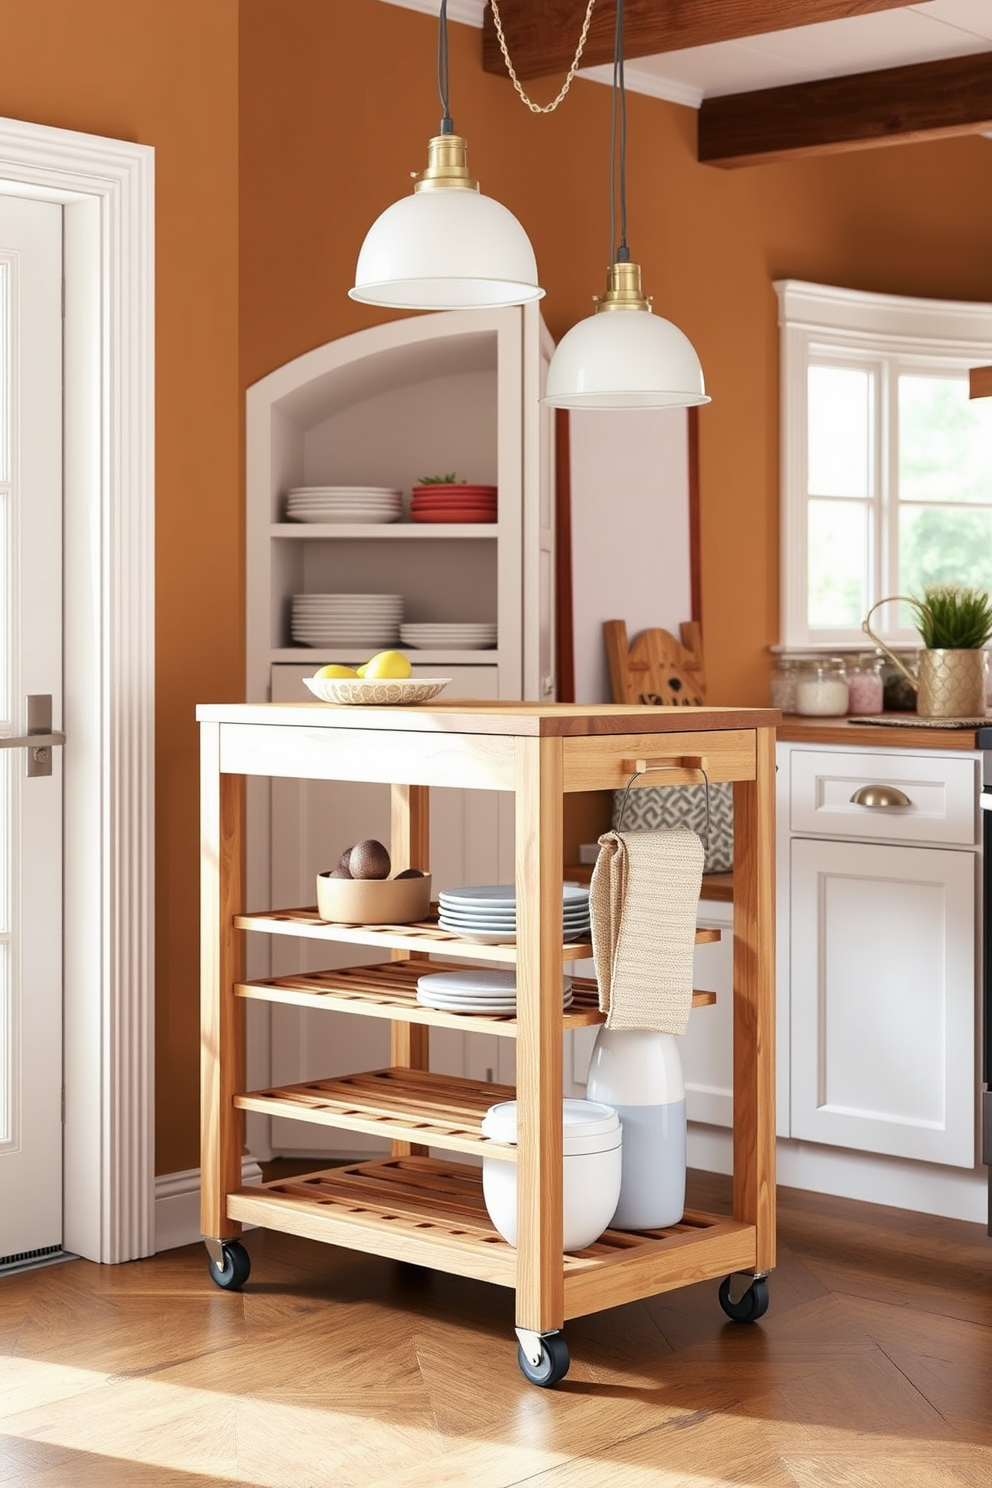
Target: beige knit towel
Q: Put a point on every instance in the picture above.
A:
(643, 900)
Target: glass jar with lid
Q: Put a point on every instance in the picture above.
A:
(782, 686)
(821, 688)
(864, 684)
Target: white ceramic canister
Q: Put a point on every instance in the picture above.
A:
(591, 1145)
(639, 1073)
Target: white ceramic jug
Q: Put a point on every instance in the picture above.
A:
(639, 1073)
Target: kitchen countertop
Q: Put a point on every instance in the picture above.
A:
(804, 730)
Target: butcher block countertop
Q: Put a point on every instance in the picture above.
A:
(802, 730)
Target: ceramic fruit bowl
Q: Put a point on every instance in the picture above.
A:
(373, 901)
(386, 692)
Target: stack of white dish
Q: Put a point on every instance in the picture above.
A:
(344, 504)
(351, 621)
(453, 636)
(476, 991)
(487, 913)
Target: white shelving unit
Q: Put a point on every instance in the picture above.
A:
(457, 391)
(428, 394)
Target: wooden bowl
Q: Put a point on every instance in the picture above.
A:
(373, 901)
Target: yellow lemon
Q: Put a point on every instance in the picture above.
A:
(361, 671)
(391, 664)
(336, 671)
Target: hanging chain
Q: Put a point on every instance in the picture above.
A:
(536, 108)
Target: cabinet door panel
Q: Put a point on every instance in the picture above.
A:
(883, 999)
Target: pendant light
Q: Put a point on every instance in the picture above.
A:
(446, 247)
(623, 356)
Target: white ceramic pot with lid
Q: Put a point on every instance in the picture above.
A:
(591, 1147)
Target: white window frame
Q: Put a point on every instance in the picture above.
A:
(821, 323)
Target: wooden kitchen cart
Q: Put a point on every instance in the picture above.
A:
(430, 1211)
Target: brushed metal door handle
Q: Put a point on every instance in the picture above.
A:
(40, 738)
(32, 741)
(880, 797)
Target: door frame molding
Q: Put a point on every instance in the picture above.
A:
(106, 187)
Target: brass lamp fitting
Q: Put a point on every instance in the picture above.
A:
(623, 289)
(447, 166)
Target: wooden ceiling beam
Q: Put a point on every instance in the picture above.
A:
(894, 106)
(542, 34)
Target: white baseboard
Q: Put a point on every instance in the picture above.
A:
(177, 1204)
(899, 1183)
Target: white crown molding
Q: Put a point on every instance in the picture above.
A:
(470, 12)
(858, 314)
(106, 187)
(636, 80)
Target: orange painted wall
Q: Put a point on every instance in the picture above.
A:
(165, 74)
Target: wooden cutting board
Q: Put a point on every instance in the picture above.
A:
(656, 669)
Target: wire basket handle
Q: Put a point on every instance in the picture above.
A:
(649, 769)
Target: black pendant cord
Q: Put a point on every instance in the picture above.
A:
(447, 127)
(622, 253)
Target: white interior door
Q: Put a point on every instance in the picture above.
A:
(30, 667)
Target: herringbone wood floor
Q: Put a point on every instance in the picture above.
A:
(871, 1369)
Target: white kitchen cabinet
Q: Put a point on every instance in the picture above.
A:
(877, 954)
(457, 391)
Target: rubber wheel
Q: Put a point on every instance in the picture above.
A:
(752, 1306)
(235, 1270)
(553, 1363)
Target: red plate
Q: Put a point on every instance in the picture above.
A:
(461, 516)
(441, 488)
(480, 505)
(465, 506)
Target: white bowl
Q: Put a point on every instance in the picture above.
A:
(384, 693)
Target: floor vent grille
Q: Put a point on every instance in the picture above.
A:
(30, 1260)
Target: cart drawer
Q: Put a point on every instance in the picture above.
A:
(942, 792)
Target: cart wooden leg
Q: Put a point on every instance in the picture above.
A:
(540, 1269)
(409, 848)
(221, 1013)
(754, 1001)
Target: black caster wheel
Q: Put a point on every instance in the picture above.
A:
(552, 1365)
(750, 1307)
(233, 1274)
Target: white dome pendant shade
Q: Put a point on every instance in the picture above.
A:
(446, 247)
(624, 356)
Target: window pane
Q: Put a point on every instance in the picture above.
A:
(945, 441)
(5, 709)
(6, 1049)
(839, 431)
(944, 547)
(837, 536)
(4, 372)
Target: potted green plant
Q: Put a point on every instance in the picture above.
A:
(955, 623)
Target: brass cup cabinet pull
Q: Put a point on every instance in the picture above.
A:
(880, 797)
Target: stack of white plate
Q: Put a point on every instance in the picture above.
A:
(456, 636)
(476, 991)
(488, 912)
(352, 621)
(344, 504)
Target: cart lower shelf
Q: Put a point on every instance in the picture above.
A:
(432, 1213)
